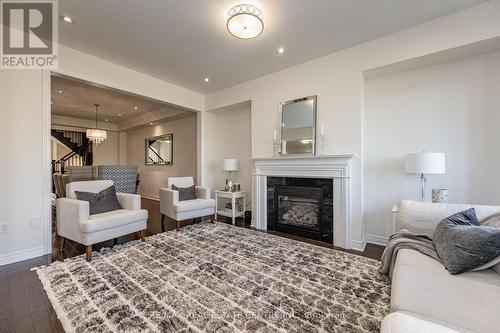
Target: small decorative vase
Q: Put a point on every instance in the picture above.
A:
(440, 195)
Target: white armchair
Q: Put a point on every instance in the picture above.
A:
(177, 210)
(75, 222)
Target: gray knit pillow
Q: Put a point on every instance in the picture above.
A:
(102, 202)
(185, 193)
(463, 244)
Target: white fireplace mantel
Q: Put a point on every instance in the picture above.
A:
(336, 167)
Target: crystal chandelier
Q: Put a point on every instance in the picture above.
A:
(96, 135)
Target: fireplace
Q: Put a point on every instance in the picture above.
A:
(332, 173)
(301, 207)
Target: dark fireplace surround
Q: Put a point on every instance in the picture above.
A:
(301, 207)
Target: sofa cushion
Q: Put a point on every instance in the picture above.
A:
(112, 219)
(399, 322)
(422, 285)
(491, 221)
(101, 202)
(462, 244)
(489, 264)
(423, 217)
(196, 204)
(496, 268)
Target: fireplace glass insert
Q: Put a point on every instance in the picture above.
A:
(301, 207)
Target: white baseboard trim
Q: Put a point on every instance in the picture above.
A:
(17, 256)
(150, 197)
(378, 240)
(358, 245)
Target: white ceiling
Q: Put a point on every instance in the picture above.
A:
(75, 98)
(184, 41)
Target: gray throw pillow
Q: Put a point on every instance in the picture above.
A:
(463, 244)
(185, 193)
(102, 202)
(491, 221)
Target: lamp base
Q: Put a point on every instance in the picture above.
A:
(422, 187)
(229, 185)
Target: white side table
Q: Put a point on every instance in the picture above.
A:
(234, 212)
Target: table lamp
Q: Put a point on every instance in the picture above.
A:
(230, 165)
(424, 163)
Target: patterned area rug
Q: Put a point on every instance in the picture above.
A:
(217, 278)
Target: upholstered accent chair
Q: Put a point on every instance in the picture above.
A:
(75, 222)
(60, 182)
(171, 207)
(125, 177)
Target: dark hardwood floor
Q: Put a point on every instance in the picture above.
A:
(24, 306)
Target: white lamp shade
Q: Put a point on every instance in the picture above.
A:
(230, 164)
(425, 162)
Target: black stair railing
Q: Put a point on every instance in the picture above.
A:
(80, 150)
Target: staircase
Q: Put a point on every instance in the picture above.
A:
(80, 150)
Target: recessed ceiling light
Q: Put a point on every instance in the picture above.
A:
(281, 50)
(136, 108)
(106, 119)
(68, 19)
(119, 114)
(60, 91)
(207, 79)
(245, 21)
(150, 123)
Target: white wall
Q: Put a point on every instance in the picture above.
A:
(338, 81)
(230, 137)
(153, 177)
(25, 133)
(21, 150)
(122, 148)
(451, 108)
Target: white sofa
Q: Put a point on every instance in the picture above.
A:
(177, 210)
(75, 222)
(425, 297)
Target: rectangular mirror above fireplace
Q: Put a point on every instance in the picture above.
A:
(298, 126)
(159, 150)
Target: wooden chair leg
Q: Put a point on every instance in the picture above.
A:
(162, 223)
(61, 243)
(178, 225)
(88, 253)
(142, 235)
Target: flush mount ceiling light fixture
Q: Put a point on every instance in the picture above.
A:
(245, 21)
